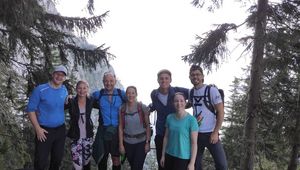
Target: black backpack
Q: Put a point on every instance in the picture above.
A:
(207, 100)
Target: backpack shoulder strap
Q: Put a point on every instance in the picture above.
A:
(207, 100)
(191, 95)
(190, 98)
(101, 94)
(123, 112)
(121, 96)
(141, 113)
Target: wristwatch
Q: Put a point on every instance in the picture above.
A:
(147, 141)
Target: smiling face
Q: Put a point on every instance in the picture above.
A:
(164, 80)
(196, 77)
(58, 78)
(131, 94)
(179, 101)
(109, 82)
(82, 89)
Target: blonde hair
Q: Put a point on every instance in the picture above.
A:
(83, 82)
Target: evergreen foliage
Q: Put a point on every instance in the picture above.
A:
(34, 38)
(277, 119)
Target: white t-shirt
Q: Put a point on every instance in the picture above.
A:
(208, 121)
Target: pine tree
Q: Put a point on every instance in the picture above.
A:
(34, 38)
(275, 28)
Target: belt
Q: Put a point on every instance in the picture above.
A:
(140, 135)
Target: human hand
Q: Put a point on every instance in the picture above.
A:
(68, 98)
(191, 166)
(147, 147)
(162, 161)
(41, 134)
(122, 149)
(214, 137)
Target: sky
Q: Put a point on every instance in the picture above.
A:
(149, 35)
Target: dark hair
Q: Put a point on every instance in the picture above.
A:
(196, 67)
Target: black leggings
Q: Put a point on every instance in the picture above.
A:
(158, 145)
(135, 155)
(174, 163)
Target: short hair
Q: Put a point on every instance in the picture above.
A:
(164, 71)
(109, 73)
(195, 67)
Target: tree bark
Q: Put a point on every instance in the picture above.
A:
(247, 160)
(296, 140)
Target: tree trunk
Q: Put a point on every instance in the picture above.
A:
(247, 160)
(296, 140)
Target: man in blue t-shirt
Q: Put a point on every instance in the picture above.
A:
(46, 113)
(110, 100)
(162, 103)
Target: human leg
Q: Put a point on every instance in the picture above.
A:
(175, 163)
(76, 153)
(103, 163)
(218, 154)
(129, 149)
(114, 151)
(139, 156)
(169, 162)
(42, 150)
(158, 144)
(202, 141)
(58, 146)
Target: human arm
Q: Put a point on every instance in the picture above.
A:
(40, 132)
(121, 135)
(165, 141)
(214, 138)
(148, 132)
(194, 136)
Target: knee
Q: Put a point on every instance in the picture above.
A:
(222, 166)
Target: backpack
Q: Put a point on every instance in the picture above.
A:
(207, 101)
(139, 111)
(100, 119)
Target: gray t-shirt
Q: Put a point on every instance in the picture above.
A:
(134, 130)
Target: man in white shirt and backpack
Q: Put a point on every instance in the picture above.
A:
(209, 121)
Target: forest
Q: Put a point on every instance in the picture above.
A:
(262, 120)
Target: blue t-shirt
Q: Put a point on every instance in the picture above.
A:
(179, 136)
(109, 110)
(48, 103)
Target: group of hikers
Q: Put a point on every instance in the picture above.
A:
(124, 126)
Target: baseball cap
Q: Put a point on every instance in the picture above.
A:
(60, 68)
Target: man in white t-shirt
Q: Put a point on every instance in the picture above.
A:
(209, 122)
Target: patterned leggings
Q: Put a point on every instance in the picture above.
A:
(81, 151)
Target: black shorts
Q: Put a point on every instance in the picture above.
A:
(112, 146)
